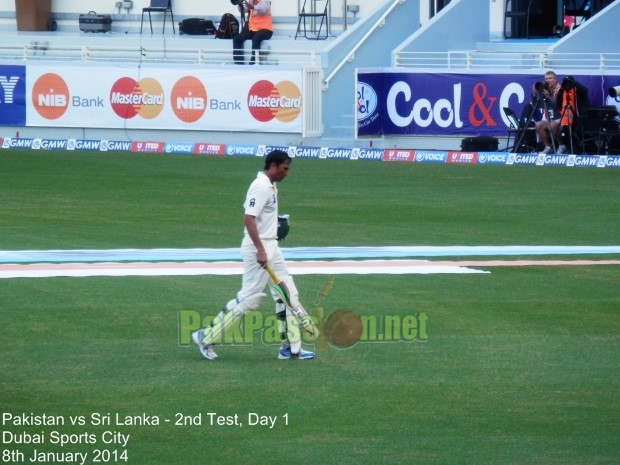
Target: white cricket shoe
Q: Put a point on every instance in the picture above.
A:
(285, 354)
(206, 351)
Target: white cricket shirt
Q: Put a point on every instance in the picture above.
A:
(261, 202)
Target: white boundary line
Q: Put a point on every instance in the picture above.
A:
(294, 253)
(353, 267)
(48, 270)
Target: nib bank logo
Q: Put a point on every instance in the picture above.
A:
(188, 99)
(341, 330)
(50, 96)
(268, 101)
(129, 98)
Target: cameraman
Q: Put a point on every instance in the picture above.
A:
(258, 27)
(572, 102)
(544, 94)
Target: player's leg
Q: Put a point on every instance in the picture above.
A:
(205, 338)
(285, 345)
(229, 317)
(289, 318)
(248, 298)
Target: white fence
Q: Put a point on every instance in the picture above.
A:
(473, 59)
(174, 55)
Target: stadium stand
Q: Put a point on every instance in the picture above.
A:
(387, 33)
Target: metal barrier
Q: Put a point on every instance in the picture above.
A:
(473, 59)
(196, 56)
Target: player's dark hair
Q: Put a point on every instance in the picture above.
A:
(276, 156)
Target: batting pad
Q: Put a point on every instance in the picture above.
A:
(302, 319)
(293, 329)
(292, 289)
(221, 325)
(226, 321)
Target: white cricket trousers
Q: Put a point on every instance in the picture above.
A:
(255, 278)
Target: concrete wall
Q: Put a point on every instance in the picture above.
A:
(340, 97)
(459, 26)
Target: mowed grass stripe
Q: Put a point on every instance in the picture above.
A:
(520, 365)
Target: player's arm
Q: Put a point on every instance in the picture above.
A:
(250, 225)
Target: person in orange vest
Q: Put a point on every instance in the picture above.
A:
(572, 102)
(257, 28)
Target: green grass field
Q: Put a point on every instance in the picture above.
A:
(520, 365)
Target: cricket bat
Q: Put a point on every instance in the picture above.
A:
(280, 287)
(296, 308)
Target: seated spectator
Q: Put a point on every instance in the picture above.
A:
(545, 96)
(258, 27)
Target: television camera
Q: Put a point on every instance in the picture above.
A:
(568, 83)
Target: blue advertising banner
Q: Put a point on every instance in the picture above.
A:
(12, 95)
(391, 102)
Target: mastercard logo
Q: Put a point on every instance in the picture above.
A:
(268, 101)
(188, 99)
(129, 98)
(50, 96)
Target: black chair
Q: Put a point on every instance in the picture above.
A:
(599, 126)
(614, 145)
(524, 134)
(318, 10)
(158, 6)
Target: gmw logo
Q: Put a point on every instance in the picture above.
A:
(341, 330)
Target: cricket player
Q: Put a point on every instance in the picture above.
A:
(258, 248)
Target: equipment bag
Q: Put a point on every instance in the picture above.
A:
(480, 144)
(228, 27)
(92, 22)
(196, 26)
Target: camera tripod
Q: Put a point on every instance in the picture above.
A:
(541, 103)
(242, 14)
(240, 4)
(568, 115)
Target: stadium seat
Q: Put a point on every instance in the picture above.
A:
(158, 6)
(524, 136)
(318, 10)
